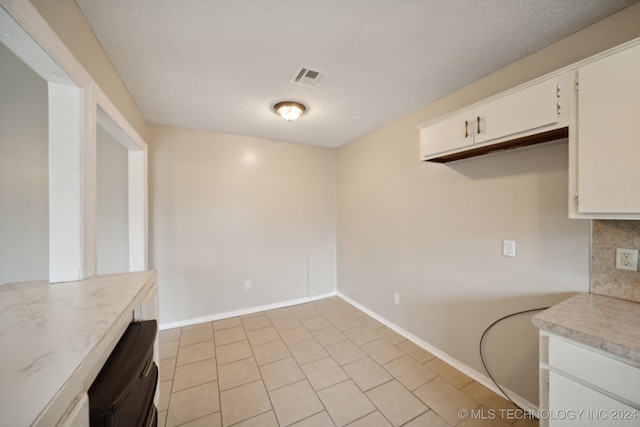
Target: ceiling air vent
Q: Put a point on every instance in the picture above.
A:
(307, 76)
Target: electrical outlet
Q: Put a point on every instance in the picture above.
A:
(627, 259)
(396, 298)
(509, 248)
(247, 285)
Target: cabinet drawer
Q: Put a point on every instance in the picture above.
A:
(581, 406)
(606, 373)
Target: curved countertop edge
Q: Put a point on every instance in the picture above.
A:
(606, 323)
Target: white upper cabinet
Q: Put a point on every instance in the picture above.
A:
(595, 103)
(530, 108)
(606, 161)
(449, 134)
(500, 122)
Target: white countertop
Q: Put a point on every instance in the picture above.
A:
(54, 338)
(603, 322)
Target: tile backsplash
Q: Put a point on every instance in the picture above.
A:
(607, 235)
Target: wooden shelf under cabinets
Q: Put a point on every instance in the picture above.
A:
(538, 138)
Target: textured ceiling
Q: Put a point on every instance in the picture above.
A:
(220, 65)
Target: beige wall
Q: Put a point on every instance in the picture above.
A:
(433, 232)
(112, 187)
(24, 170)
(66, 19)
(227, 209)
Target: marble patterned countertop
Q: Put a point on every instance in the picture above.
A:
(603, 322)
(56, 337)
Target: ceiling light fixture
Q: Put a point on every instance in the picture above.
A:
(289, 110)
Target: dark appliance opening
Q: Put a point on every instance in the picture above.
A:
(122, 394)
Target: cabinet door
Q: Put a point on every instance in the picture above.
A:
(526, 109)
(448, 134)
(608, 138)
(574, 404)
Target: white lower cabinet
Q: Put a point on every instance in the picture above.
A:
(585, 386)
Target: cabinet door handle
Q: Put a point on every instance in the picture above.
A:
(478, 126)
(466, 129)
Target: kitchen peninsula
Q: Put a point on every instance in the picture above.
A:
(55, 338)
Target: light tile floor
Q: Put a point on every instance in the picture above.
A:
(324, 363)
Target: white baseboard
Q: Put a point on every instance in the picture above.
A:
(477, 376)
(472, 373)
(244, 311)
